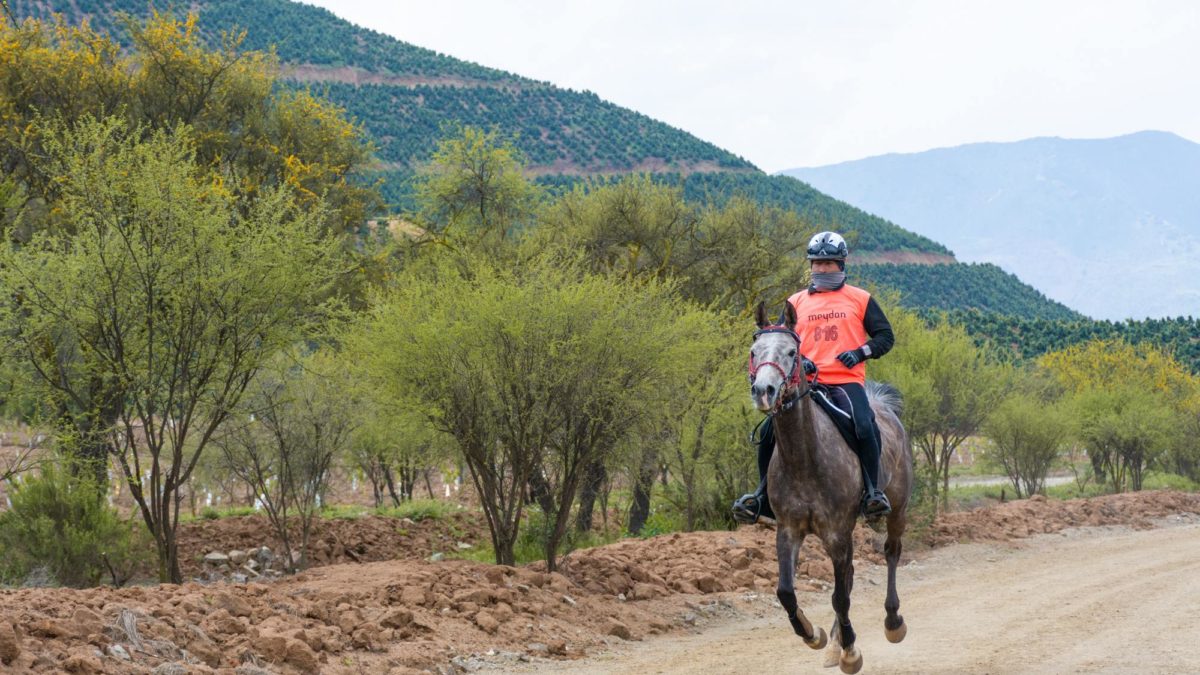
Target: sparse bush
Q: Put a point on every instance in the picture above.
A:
(63, 525)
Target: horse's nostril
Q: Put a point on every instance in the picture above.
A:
(771, 389)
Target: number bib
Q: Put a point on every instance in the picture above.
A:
(829, 324)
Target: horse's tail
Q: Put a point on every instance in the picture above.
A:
(885, 396)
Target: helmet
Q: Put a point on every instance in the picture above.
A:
(827, 246)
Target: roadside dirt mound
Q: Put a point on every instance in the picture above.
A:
(405, 615)
(334, 540)
(1038, 515)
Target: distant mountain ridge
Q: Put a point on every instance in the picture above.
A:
(1110, 227)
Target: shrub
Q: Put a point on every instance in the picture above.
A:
(62, 524)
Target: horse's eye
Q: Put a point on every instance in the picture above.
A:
(792, 352)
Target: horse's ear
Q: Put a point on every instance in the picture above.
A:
(789, 316)
(760, 315)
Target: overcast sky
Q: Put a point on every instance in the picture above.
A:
(804, 83)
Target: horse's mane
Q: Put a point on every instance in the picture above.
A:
(884, 395)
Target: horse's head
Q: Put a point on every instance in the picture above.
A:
(774, 359)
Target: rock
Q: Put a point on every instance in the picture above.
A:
(645, 591)
(222, 622)
(51, 629)
(171, 669)
(87, 622)
(302, 657)
(413, 596)
(235, 605)
(216, 559)
(264, 556)
(10, 646)
(118, 652)
(617, 629)
(272, 647)
(238, 557)
(537, 648)
(569, 600)
(557, 647)
(707, 584)
(84, 660)
(463, 546)
(486, 621)
(396, 618)
(690, 618)
(437, 557)
(251, 564)
(238, 578)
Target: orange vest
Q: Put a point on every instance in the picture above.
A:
(828, 324)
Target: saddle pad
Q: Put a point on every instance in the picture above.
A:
(837, 405)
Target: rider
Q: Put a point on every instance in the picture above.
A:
(840, 326)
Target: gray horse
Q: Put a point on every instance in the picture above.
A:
(816, 486)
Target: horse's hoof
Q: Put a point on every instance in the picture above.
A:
(897, 635)
(819, 639)
(851, 661)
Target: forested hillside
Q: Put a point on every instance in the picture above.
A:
(1027, 338)
(402, 93)
(404, 96)
(976, 286)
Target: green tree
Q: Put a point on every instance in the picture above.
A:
(949, 386)
(145, 326)
(1027, 435)
(301, 415)
(1132, 404)
(474, 189)
(537, 371)
(252, 134)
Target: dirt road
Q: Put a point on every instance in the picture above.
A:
(1087, 600)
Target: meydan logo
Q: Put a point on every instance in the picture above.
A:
(827, 316)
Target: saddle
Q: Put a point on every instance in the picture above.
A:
(837, 405)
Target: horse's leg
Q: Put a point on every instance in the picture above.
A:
(843, 582)
(894, 627)
(786, 547)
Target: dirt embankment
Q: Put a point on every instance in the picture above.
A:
(398, 616)
(333, 540)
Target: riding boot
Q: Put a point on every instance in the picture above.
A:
(750, 507)
(875, 502)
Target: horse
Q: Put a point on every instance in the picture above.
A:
(815, 485)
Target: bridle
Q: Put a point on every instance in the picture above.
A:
(791, 378)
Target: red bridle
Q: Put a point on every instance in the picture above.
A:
(790, 379)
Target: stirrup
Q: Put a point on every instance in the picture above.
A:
(876, 505)
(747, 508)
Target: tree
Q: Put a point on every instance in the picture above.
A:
(474, 188)
(300, 417)
(254, 135)
(1027, 435)
(1132, 403)
(948, 384)
(145, 325)
(537, 371)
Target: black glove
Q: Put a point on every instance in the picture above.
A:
(852, 358)
(809, 366)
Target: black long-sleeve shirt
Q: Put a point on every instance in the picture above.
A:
(880, 330)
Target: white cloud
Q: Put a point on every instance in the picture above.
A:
(789, 84)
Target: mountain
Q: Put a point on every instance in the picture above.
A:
(1110, 227)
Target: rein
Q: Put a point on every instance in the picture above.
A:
(791, 378)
